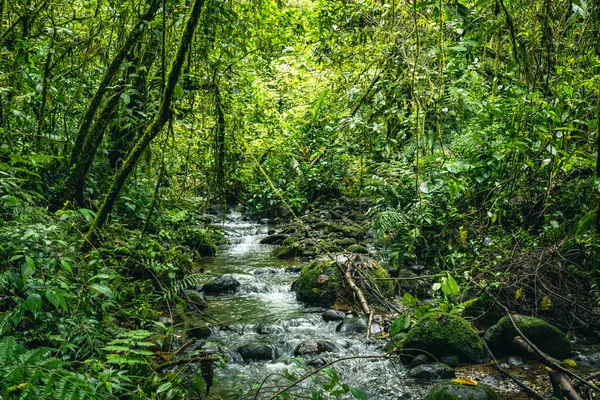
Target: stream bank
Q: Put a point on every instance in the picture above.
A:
(266, 334)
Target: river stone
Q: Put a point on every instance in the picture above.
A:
(265, 271)
(199, 332)
(317, 362)
(455, 391)
(420, 359)
(333, 315)
(276, 238)
(317, 284)
(515, 361)
(451, 361)
(352, 325)
(357, 248)
(445, 334)
(257, 351)
(345, 242)
(224, 284)
(431, 372)
(545, 336)
(312, 347)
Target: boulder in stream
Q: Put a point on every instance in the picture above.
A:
(352, 325)
(357, 248)
(277, 238)
(545, 336)
(223, 284)
(312, 347)
(454, 391)
(317, 283)
(333, 315)
(431, 372)
(257, 351)
(444, 334)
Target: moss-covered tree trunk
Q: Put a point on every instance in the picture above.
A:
(78, 157)
(151, 131)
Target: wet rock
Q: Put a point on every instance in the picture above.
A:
(455, 391)
(264, 271)
(345, 242)
(269, 329)
(421, 359)
(257, 351)
(444, 334)
(198, 332)
(277, 238)
(294, 269)
(333, 315)
(431, 372)
(544, 335)
(353, 325)
(224, 284)
(311, 219)
(451, 361)
(357, 248)
(317, 362)
(312, 347)
(515, 361)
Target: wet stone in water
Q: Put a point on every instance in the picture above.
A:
(333, 315)
(223, 284)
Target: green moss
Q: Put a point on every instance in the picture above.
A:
(444, 334)
(357, 248)
(455, 391)
(292, 250)
(290, 241)
(317, 283)
(544, 335)
(378, 277)
(344, 242)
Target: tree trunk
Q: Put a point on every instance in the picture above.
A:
(151, 131)
(94, 105)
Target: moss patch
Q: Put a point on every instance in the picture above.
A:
(317, 283)
(456, 391)
(544, 335)
(444, 334)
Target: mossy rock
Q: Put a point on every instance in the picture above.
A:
(276, 238)
(546, 336)
(456, 391)
(357, 248)
(345, 242)
(444, 334)
(202, 241)
(353, 231)
(379, 277)
(317, 284)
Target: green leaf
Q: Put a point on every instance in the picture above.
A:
(359, 394)
(34, 303)
(164, 387)
(319, 104)
(65, 264)
(53, 298)
(449, 286)
(105, 290)
(400, 324)
(126, 98)
(409, 300)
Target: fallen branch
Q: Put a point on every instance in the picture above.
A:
(543, 357)
(562, 387)
(361, 297)
(522, 385)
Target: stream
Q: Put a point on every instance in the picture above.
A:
(264, 310)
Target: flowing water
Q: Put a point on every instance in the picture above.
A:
(265, 310)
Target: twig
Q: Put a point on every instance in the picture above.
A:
(523, 386)
(545, 358)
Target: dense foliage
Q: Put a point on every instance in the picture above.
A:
(471, 128)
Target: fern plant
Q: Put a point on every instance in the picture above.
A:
(37, 374)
